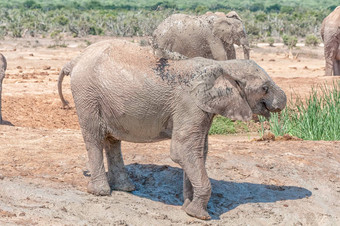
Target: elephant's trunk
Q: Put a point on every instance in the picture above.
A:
(278, 101)
(246, 49)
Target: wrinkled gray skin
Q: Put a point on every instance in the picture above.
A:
(121, 92)
(330, 33)
(212, 36)
(3, 66)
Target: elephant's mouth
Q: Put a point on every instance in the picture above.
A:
(262, 109)
(265, 109)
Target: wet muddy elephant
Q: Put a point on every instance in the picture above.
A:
(330, 33)
(122, 92)
(212, 36)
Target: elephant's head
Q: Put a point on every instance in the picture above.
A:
(231, 31)
(236, 89)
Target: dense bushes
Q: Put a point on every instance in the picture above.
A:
(289, 41)
(312, 40)
(262, 19)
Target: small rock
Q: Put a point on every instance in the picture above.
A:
(1, 177)
(19, 67)
(305, 67)
(22, 214)
(292, 67)
(31, 54)
(271, 59)
(46, 67)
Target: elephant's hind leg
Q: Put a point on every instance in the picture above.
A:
(98, 184)
(117, 174)
(93, 139)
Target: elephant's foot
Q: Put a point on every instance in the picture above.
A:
(120, 181)
(195, 209)
(99, 188)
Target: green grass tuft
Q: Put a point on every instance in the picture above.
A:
(222, 125)
(316, 118)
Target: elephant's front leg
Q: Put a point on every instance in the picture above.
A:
(187, 186)
(117, 174)
(217, 49)
(188, 151)
(231, 53)
(336, 67)
(330, 56)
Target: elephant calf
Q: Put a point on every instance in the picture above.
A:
(3, 66)
(122, 93)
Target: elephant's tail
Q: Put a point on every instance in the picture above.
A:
(66, 70)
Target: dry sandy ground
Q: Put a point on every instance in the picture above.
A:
(43, 173)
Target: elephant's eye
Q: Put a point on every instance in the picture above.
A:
(265, 89)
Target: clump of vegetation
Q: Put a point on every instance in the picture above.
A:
(143, 42)
(289, 41)
(312, 40)
(316, 118)
(271, 41)
(222, 125)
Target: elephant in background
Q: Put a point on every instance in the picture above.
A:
(330, 33)
(3, 67)
(122, 92)
(211, 35)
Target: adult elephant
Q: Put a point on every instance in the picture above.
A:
(212, 35)
(122, 92)
(3, 66)
(330, 33)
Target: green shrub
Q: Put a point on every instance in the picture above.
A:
(62, 20)
(311, 40)
(222, 125)
(289, 41)
(270, 41)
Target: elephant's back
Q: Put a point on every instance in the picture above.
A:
(333, 18)
(114, 58)
(184, 34)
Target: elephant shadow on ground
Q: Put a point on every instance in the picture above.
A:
(165, 183)
(6, 123)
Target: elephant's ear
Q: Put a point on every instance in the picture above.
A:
(233, 14)
(223, 29)
(216, 92)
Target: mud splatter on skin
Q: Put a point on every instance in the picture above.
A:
(163, 71)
